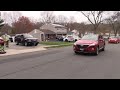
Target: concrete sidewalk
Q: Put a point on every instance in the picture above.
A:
(17, 49)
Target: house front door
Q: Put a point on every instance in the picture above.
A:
(42, 37)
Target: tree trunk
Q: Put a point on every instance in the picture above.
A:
(115, 33)
(80, 34)
(95, 30)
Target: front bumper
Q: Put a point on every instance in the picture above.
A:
(85, 50)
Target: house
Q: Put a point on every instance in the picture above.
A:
(49, 31)
(48, 34)
(38, 34)
(56, 28)
(43, 34)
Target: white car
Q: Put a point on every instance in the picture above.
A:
(70, 38)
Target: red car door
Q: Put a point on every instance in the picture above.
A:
(119, 39)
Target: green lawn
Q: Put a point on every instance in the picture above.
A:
(58, 44)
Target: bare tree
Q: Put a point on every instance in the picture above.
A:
(83, 28)
(61, 19)
(4, 16)
(114, 22)
(48, 17)
(72, 19)
(10, 17)
(1, 22)
(15, 15)
(94, 17)
(6, 29)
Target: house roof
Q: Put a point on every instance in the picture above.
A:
(57, 25)
(46, 31)
(36, 31)
(61, 33)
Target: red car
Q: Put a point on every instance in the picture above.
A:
(1, 41)
(114, 40)
(91, 43)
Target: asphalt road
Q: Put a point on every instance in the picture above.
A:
(62, 63)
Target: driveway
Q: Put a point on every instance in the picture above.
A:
(17, 49)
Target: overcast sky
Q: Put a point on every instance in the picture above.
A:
(36, 14)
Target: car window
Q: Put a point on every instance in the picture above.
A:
(69, 36)
(90, 37)
(28, 36)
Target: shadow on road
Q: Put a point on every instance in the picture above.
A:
(89, 54)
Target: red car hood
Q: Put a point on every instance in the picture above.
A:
(86, 42)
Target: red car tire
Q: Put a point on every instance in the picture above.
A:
(97, 51)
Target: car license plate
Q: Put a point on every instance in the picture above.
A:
(81, 49)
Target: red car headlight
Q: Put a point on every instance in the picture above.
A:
(91, 48)
(75, 44)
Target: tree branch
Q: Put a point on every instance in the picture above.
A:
(87, 17)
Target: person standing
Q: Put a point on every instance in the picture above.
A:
(2, 51)
(6, 39)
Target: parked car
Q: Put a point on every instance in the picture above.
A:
(70, 38)
(26, 39)
(114, 39)
(12, 38)
(60, 38)
(106, 37)
(91, 43)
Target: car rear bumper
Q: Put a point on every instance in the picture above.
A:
(32, 43)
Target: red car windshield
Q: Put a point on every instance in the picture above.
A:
(90, 37)
(113, 37)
